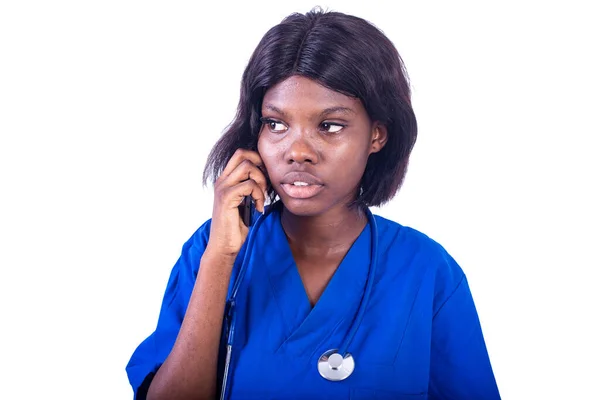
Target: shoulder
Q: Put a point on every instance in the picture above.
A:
(193, 249)
(200, 237)
(408, 248)
(393, 235)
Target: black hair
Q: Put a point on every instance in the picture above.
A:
(346, 54)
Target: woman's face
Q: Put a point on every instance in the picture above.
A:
(315, 143)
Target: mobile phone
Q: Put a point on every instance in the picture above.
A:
(247, 210)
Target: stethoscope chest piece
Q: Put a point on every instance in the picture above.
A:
(335, 367)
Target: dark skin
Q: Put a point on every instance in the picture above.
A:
(314, 145)
(313, 129)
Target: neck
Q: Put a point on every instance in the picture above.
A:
(327, 234)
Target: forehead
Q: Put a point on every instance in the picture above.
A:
(298, 93)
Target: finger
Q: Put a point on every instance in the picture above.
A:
(237, 158)
(234, 195)
(244, 171)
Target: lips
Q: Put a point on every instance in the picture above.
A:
(301, 177)
(301, 185)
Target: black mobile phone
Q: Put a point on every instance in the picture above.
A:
(247, 210)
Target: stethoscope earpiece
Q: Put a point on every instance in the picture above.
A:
(335, 367)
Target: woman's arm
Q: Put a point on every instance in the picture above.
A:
(190, 370)
(189, 327)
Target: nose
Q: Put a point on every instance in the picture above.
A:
(301, 150)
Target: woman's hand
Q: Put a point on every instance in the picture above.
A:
(241, 177)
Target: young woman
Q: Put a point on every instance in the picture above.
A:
(317, 298)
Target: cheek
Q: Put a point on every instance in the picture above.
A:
(268, 153)
(347, 167)
(353, 158)
(264, 150)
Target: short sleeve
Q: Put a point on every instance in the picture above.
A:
(460, 365)
(152, 352)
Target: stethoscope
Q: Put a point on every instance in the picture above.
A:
(333, 365)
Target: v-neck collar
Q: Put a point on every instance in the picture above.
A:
(332, 315)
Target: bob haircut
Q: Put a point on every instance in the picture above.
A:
(346, 54)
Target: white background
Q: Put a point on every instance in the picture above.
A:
(107, 113)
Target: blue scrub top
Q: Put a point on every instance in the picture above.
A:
(420, 337)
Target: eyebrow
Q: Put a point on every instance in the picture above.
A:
(340, 109)
(327, 111)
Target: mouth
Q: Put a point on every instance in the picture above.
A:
(301, 190)
(300, 185)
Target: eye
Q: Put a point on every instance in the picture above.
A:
(274, 126)
(330, 127)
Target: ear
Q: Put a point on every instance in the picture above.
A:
(379, 136)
